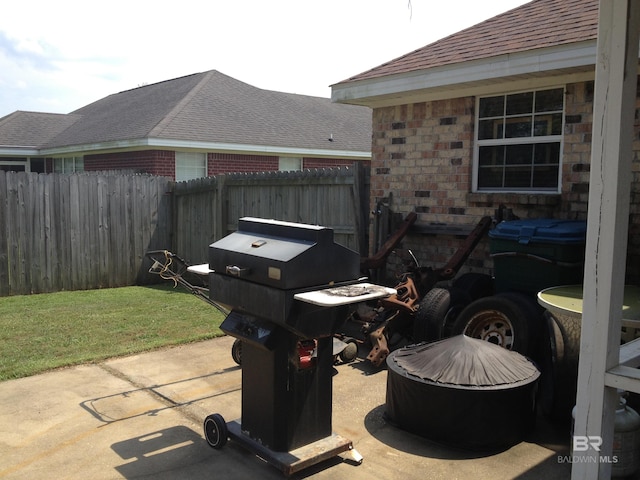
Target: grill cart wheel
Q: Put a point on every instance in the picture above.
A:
(350, 352)
(215, 430)
(236, 351)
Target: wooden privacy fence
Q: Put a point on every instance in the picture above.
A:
(207, 209)
(81, 231)
(85, 231)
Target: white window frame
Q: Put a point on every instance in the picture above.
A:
(518, 141)
(16, 162)
(68, 164)
(190, 165)
(24, 162)
(289, 164)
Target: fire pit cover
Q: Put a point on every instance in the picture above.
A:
(462, 392)
(466, 362)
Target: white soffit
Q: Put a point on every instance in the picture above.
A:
(144, 143)
(17, 151)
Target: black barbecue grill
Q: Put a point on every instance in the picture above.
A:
(289, 286)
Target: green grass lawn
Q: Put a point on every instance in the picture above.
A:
(46, 331)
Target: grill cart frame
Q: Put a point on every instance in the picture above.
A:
(289, 287)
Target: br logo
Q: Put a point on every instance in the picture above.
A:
(583, 443)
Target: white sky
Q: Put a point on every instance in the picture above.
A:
(57, 56)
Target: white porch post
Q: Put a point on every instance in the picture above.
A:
(607, 227)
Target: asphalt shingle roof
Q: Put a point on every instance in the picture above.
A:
(213, 107)
(127, 115)
(537, 24)
(207, 107)
(31, 129)
(226, 110)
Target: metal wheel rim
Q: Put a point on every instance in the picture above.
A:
(212, 432)
(491, 326)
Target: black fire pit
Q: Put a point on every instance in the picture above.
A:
(462, 392)
(289, 286)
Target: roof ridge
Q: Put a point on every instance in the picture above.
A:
(181, 104)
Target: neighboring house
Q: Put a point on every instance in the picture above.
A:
(194, 126)
(498, 114)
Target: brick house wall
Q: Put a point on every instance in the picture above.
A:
(325, 162)
(155, 162)
(422, 155)
(162, 162)
(230, 162)
(218, 163)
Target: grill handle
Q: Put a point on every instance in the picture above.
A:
(237, 271)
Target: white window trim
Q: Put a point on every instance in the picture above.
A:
(200, 170)
(23, 162)
(516, 141)
(285, 164)
(76, 162)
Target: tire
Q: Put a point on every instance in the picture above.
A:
(215, 431)
(496, 319)
(533, 313)
(350, 352)
(437, 309)
(557, 388)
(236, 351)
(476, 285)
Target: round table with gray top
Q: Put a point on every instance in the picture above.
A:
(563, 318)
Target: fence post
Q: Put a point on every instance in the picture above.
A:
(220, 211)
(5, 284)
(361, 207)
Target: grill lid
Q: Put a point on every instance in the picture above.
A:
(285, 255)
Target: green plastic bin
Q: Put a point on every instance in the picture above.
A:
(534, 254)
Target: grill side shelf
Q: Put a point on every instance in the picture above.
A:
(345, 294)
